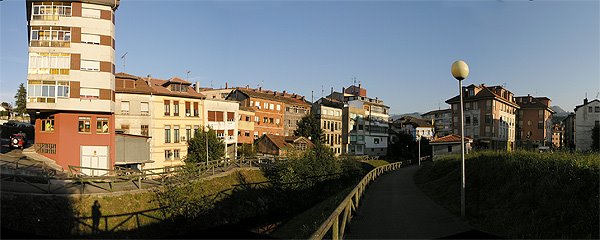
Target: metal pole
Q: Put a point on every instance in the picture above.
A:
(462, 149)
(419, 143)
(206, 138)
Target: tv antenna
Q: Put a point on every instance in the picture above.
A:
(188, 74)
(123, 59)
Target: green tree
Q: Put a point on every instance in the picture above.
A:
(596, 138)
(246, 150)
(197, 147)
(21, 100)
(310, 127)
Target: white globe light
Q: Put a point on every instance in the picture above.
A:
(460, 70)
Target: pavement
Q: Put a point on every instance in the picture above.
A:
(394, 207)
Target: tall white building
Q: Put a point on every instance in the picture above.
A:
(587, 116)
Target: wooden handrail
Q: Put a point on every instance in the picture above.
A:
(350, 204)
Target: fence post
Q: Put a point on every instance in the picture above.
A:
(335, 233)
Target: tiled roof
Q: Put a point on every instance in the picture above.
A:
(484, 93)
(330, 102)
(274, 96)
(452, 138)
(285, 141)
(155, 86)
(534, 105)
(179, 80)
(437, 111)
(249, 109)
(416, 122)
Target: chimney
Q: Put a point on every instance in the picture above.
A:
(247, 86)
(343, 90)
(359, 86)
(226, 86)
(284, 92)
(274, 93)
(260, 89)
(197, 86)
(585, 101)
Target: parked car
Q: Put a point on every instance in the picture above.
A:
(18, 140)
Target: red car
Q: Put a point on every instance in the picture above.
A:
(18, 140)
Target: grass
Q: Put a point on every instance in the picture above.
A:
(521, 194)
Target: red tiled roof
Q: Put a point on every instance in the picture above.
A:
(484, 93)
(452, 138)
(274, 96)
(179, 80)
(155, 86)
(285, 141)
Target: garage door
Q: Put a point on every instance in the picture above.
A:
(94, 157)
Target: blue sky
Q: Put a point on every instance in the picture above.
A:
(401, 51)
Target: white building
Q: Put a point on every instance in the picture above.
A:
(586, 117)
(223, 116)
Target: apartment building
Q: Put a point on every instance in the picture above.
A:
(70, 80)
(558, 132)
(222, 116)
(269, 107)
(534, 121)
(416, 127)
(246, 133)
(296, 107)
(329, 113)
(168, 111)
(442, 121)
(490, 116)
(364, 122)
(587, 116)
(569, 127)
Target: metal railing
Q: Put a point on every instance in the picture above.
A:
(350, 204)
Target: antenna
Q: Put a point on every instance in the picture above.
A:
(322, 91)
(123, 59)
(188, 74)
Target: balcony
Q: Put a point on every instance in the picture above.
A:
(50, 44)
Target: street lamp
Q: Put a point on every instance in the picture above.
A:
(419, 143)
(460, 71)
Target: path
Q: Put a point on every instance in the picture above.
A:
(394, 207)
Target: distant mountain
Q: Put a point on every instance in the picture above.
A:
(559, 111)
(397, 116)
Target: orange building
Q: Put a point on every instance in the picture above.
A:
(534, 121)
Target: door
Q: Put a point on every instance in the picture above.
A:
(94, 157)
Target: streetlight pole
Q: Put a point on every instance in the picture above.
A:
(460, 71)
(419, 143)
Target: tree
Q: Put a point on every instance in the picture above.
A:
(21, 100)
(310, 127)
(596, 138)
(246, 150)
(197, 147)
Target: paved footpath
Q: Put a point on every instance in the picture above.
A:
(394, 207)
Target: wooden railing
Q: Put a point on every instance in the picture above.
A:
(336, 223)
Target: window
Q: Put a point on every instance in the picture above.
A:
(247, 118)
(256, 119)
(176, 87)
(90, 65)
(195, 109)
(144, 108)
(176, 154)
(220, 133)
(167, 134)
(144, 130)
(589, 109)
(265, 119)
(188, 109)
(468, 120)
(266, 106)
(46, 91)
(84, 125)
(125, 107)
(167, 108)
(90, 38)
(49, 63)
(196, 129)
(176, 134)
(90, 13)
(277, 121)
(488, 118)
(102, 125)
(50, 36)
(246, 133)
(255, 134)
(215, 116)
(449, 148)
(48, 125)
(271, 120)
(257, 104)
(271, 106)
(375, 140)
(230, 116)
(475, 121)
(188, 132)
(89, 93)
(50, 11)
(540, 124)
(278, 107)
(175, 108)
(168, 154)
(230, 132)
(597, 109)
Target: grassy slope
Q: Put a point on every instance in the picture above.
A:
(522, 194)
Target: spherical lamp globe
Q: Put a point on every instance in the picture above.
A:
(460, 70)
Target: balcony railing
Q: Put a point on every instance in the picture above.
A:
(37, 43)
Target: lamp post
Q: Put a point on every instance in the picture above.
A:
(419, 143)
(460, 71)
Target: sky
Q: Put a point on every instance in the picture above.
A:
(400, 51)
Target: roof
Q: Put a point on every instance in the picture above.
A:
(415, 122)
(274, 96)
(330, 102)
(484, 93)
(534, 105)
(578, 106)
(452, 138)
(286, 141)
(249, 109)
(155, 86)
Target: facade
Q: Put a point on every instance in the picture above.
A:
(442, 121)
(364, 122)
(490, 116)
(70, 80)
(587, 116)
(417, 128)
(246, 134)
(277, 145)
(168, 111)
(329, 113)
(534, 121)
(569, 127)
(222, 116)
(449, 145)
(216, 93)
(272, 109)
(558, 132)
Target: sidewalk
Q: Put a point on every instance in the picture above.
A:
(394, 207)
